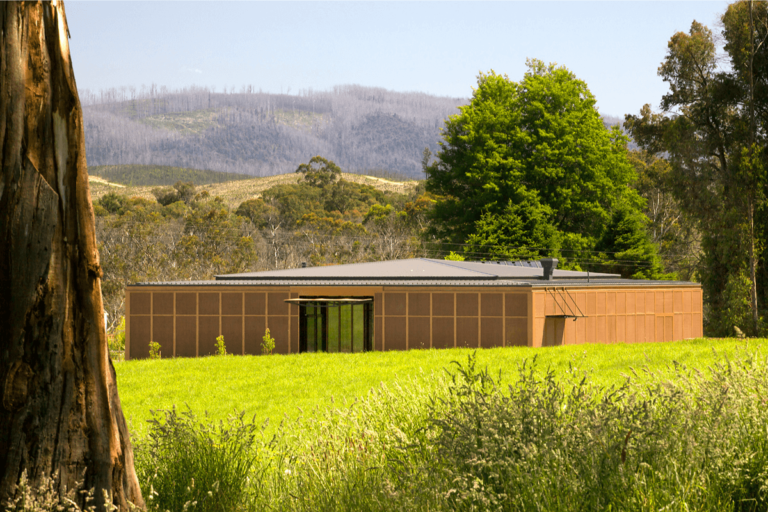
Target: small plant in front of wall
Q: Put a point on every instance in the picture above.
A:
(221, 348)
(268, 345)
(154, 350)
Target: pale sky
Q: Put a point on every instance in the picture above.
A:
(433, 47)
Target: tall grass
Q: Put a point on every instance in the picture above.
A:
(682, 439)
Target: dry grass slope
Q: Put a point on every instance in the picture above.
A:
(235, 192)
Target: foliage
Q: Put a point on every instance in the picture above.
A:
(116, 341)
(671, 227)
(181, 192)
(268, 343)
(528, 169)
(188, 464)
(452, 256)
(221, 348)
(675, 439)
(711, 129)
(319, 172)
(154, 350)
(159, 175)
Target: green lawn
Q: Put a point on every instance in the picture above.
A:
(275, 386)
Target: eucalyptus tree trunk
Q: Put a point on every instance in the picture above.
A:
(60, 413)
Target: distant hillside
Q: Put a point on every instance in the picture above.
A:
(260, 134)
(365, 130)
(155, 175)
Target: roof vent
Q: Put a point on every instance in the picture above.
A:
(549, 265)
(303, 264)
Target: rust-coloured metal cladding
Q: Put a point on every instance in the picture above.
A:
(418, 332)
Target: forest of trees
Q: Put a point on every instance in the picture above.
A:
(262, 134)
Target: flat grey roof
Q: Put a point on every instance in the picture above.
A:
(412, 269)
(420, 272)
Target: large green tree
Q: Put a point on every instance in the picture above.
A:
(711, 129)
(528, 168)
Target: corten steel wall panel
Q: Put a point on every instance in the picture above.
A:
(278, 329)
(569, 331)
(668, 308)
(580, 300)
(209, 331)
(650, 302)
(549, 305)
(162, 333)
(650, 328)
(696, 330)
(610, 303)
(186, 303)
(442, 305)
(232, 304)
(621, 303)
(610, 334)
(162, 304)
(491, 332)
(550, 332)
(255, 304)
(537, 336)
(630, 329)
(640, 306)
(677, 326)
(677, 302)
(140, 335)
(538, 304)
(232, 330)
(516, 304)
(442, 333)
(466, 305)
(668, 328)
(687, 302)
(394, 331)
(208, 303)
(140, 304)
(377, 304)
(580, 326)
(186, 337)
(601, 330)
(659, 308)
(687, 330)
(377, 323)
(631, 299)
(466, 332)
(591, 329)
(600, 303)
(696, 302)
(591, 304)
(621, 328)
(418, 305)
(255, 326)
(491, 304)
(659, 328)
(517, 332)
(278, 306)
(394, 304)
(640, 329)
(418, 332)
(294, 334)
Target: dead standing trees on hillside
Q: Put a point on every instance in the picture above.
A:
(60, 411)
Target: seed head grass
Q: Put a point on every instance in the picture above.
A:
(276, 387)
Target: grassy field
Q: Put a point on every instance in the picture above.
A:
(157, 175)
(235, 192)
(275, 386)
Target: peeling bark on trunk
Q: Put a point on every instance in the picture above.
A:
(60, 410)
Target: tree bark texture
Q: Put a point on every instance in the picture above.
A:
(60, 413)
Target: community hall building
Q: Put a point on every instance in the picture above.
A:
(407, 304)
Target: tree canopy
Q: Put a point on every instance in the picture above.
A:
(528, 169)
(712, 131)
